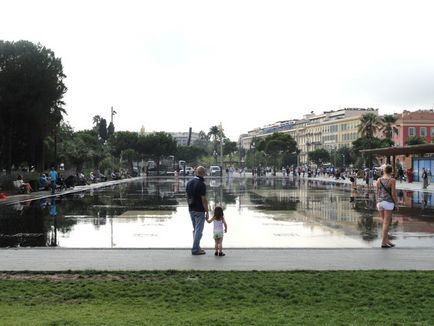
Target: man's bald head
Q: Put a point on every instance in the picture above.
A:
(200, 171)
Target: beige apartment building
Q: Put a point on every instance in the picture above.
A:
(330, 130)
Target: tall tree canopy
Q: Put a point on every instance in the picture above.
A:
(276, 146)
(370, 124)
(31, 92)
(319, 156)
(388, 128)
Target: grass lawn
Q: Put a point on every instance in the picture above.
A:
(217, 298)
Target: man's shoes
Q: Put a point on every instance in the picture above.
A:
(221, 254)
(216, 253)
(200, 252)
(386, 246)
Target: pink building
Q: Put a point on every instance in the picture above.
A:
(418, 123)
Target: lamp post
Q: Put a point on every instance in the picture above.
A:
(221, 147)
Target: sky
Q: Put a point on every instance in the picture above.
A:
(171, 65)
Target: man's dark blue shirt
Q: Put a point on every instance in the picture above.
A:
(195, 189)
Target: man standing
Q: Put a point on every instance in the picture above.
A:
(198, 207)
(53, 179)
(425, 178)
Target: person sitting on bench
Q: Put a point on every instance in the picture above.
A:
(21, 185)
(43, 182)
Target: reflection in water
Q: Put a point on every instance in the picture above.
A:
(274, 212)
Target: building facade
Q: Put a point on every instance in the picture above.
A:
(329, 130)
(182, 137)
(414, 124)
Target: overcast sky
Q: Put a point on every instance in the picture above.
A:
(171, 65)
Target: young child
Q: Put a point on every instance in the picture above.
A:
(220, 227)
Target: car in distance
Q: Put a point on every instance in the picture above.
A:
(214, 170)
(188, 171)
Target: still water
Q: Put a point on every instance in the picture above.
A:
(266, 213)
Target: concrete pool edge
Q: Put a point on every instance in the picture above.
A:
(249, 259)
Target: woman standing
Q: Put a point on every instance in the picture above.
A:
(386, 202)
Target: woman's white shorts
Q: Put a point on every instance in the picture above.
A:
(385, 206)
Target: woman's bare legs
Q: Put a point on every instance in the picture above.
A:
(387, 218)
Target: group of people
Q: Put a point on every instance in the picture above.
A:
(387, 202)
(45, 182)
(49, 181)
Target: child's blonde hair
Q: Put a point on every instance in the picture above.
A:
(218, 213)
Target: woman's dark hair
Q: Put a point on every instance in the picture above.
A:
(218, 213)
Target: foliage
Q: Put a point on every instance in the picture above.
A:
(31, 92)
(370, 124)
(156, 146)
(319, 156)
(110, 130)
(202, 141)
(123, 140)
(229, 147)
(237, 298)
(275, 145)
(415, 140)
(367, 143)
(217, 135)
(388, 128)
(102, 130)
(81, 148)
(190, 154)
(130, 155)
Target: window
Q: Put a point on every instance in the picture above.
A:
(411, 131)
(423, 131)
(431, 131)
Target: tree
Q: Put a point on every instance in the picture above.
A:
(31, 93)
(129, 155)
(370, 124)
(157, 145)
(80, 148)
(102, 130)
(110, 130)
(190, 154)
(229, 147)
(319, 156)
(217, 134)
(123, 140)
(95, 120)
(202, 141)
(415, 140)
(388, 128)
(367, 143)
(277, 144)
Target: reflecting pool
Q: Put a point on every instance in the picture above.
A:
(262, 213)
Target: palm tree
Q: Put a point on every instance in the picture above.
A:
(388, 121)
(96, 120)
(370, 124)
(214, 132)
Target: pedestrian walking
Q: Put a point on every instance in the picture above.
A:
(197, 207)
(424, 178)
(386, 203)
(220, 227)
(53, 179)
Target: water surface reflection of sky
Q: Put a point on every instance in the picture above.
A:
(268, 213)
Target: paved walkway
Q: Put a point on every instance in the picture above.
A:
(58, 259)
